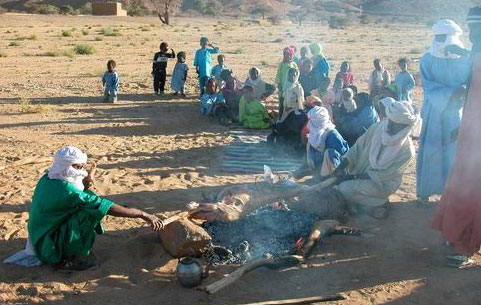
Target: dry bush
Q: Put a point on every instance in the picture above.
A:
(85, 32)
(84, 49)
(67, 33)
(110, 32)
(27, 107)
(14, 44)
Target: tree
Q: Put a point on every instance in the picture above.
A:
(262, 8)
(164, 8)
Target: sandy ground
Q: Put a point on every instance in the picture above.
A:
(158, 154)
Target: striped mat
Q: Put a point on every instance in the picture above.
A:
(249, 152)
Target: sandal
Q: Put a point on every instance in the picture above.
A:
(459, 261)
(78, 263)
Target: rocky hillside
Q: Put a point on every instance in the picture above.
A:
(422, 9)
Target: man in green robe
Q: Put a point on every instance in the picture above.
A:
(252, 113)
(373, 168)
(65, 214)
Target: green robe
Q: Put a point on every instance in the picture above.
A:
(252, 114)
(381, 183)
(63, 220)
(281, 77)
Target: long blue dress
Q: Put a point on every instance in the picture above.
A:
(441, 116)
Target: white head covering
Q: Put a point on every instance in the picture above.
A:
(399, 112)
(453, 32)
(385, 147)
(319, 126)
(350, 104)
(254, 82)
(62, 169)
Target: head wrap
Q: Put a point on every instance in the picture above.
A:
(62, 169)
(204, 40)
(254, 82)
(181, 54)
(316, 49)
(349, 104)
(399, 112)
(453, 32)
(290, 51)
(319, 126)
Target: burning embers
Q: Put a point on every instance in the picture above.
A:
(267, 230)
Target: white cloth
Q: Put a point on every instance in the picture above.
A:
(399, 112)
(254, 82)
(453, 32)
(293, 98)
(319, 126)
(62, 169)
(385, 147)
(25, 258)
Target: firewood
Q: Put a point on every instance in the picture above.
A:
(271, 263)
(307, 300)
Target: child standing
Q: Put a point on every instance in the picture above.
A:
(110, 80)
(404, 82)
(281, 76)
(179, 76)
(159, 67)
(202, 62)
(300, 63)
(346, 74)
(308, 78)
(218, 69)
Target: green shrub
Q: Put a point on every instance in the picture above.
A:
(27, 107)
(3, 54)
(57, 53)
(98, 38)
(14, 44)
(110, 32)
(67, 33)
(135, 8)
(85, 32)
(86, 9)
(238, 51)
(67, 10)
(336, 22)
(84, 49)
(44, 9)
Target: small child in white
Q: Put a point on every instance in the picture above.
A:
(180, 75)
(110, 81)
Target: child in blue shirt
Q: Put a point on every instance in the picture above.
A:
(110, 81)
(179, 76)
(202, 62)
(218, 69)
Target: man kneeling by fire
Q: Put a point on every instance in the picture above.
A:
(368, 174)
(372, 170)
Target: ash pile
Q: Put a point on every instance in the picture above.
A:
(267, 230)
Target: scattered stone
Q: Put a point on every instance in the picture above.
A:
(184, 238)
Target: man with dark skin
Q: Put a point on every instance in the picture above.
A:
(458, 215)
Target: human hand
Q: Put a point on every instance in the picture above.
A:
(89, 181)
(454, 49)
(154, 222)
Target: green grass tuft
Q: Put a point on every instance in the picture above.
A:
(84, 49)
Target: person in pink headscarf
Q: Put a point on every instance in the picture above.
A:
(281, 77)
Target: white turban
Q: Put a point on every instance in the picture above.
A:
(319, 126)
(62, 169)
(399, 112)
(453, 32)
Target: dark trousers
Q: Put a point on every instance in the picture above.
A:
(159, 80)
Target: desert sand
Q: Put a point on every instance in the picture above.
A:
(157, 154)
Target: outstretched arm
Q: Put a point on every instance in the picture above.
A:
(120, 211)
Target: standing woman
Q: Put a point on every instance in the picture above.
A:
(459, 213)
(319, 62)
(281, 76)
(444, 76)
